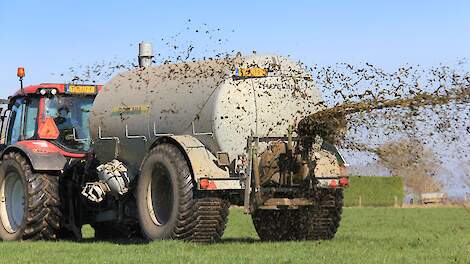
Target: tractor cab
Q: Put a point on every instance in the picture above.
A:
(49, 117)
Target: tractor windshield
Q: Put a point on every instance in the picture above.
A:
(70, 114)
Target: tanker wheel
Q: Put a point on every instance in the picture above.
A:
(277, 225)
(29, 202)
(210, 216)
(324, 218)
(319, 222)
(165, 195)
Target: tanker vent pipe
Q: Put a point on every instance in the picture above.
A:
(145, 54)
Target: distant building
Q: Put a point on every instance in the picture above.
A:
(433, 198)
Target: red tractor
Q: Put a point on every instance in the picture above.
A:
(43, 129)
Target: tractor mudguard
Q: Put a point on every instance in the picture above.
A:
(51, 161)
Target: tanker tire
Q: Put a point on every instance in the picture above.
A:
(170, 214)
(41, 203)
(324, 218)
(277, 225)
(318, 222)
(211, 216)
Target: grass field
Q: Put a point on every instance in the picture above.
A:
(366, 187)
(366, 235)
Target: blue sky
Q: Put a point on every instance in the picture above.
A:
(49, 36)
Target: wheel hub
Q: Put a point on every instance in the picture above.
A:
(160, 196)
(12, 202)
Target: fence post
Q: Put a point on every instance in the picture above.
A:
(360, 201)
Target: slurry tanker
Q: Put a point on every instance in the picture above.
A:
(171, 147)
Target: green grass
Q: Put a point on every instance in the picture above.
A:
(375, 191)
(366, 235)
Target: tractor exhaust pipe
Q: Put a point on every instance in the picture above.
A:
(145, 54)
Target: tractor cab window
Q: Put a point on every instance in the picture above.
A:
(70, 114)
(15, 122)
(32, 109)
(23, 120)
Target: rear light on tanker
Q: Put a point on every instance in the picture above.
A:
(343, 182)
(333, 184)
(206, 184)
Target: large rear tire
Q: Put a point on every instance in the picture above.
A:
(324, 218)
(165, 195)
(319, 222)
(29, 202)
(277, 225)
(211, 215)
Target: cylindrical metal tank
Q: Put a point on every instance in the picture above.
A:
(207, 99)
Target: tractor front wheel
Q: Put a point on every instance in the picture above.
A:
(29, 202)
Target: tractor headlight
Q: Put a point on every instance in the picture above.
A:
(42, 91)
(54, 91)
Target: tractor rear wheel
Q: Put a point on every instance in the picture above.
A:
(164, 195)
(29, 202)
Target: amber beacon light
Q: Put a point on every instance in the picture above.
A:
(20, 72)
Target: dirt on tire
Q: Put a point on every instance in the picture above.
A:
(211, 215)
(324, 218)
(318, 222)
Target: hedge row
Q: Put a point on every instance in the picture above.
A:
(374, 191)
